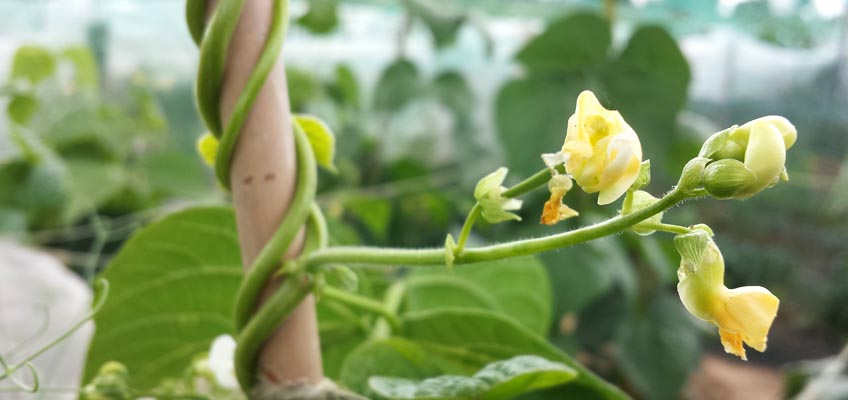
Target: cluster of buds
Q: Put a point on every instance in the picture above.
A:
(741, 161)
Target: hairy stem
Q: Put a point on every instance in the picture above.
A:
(436, 256)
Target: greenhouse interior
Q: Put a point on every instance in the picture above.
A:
(424, 199)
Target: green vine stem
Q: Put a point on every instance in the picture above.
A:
(254, 326)
(436, 256)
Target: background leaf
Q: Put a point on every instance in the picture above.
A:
(33, 63)
(173, 285)
(659, 348)
(500, 380)
(518, 288)
(576, 42)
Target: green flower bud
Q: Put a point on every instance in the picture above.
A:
(693, 171)
(747, 159)
(638, 200)
(728, 179)
(489, 194)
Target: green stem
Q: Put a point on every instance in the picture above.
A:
(665, 227)
(392, 300)
(386, 256)
(466, 227)
(362, 303)
(538, 179)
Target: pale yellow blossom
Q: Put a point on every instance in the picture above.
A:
(601, 151)
(742, 315)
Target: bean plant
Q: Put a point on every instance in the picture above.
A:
(440, 347)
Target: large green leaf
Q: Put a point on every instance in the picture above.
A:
(531, 116)
(576, 42)
(500, 380)
(658, 349)
(518, 288)
(476, 337)
(396, 357)
(173, 285)
(581, 274)
(650, 67)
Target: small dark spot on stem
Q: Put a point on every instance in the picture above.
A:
(269, 176)
(248, 180)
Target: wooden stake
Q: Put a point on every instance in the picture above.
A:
(263, 182)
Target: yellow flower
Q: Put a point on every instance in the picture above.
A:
(554, 211)
(742, 315)
(601, 151)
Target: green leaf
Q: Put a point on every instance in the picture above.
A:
(445, 387)
(375, 213)
(500, 380)
(93, 182)
(576, 42)
(581, 274)
(651, 66)
(531, 116)
(321, 138)
(345, 88)
(321, 18)
(85, 68)
(518, 288)
(174, 285)
(303, 88)
(22, 107)
(443, 22)
(453, 91)
(33, 63)
(477, 336)
(397, 85)
(396, 357)
(658, 349)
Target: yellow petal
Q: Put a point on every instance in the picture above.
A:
(732, 343)
(749, 311)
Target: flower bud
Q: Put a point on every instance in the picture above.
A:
(639, 200)
(489, 194)
(742, 315)
(749, 158)
(693, 171)
(727, 179)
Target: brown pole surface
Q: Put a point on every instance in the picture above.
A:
(263, 181)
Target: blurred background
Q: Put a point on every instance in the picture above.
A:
(98, 126)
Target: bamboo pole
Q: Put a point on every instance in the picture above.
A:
(263, 182)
